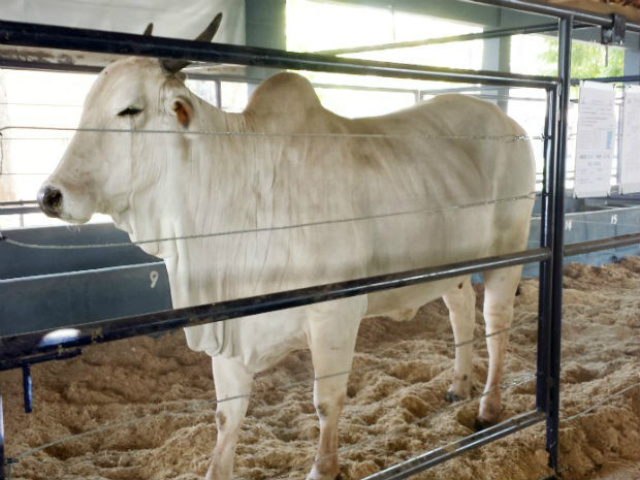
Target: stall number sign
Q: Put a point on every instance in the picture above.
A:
(630, 141)
(595, 139)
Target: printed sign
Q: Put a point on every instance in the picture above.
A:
(629, 173)
(595, 139)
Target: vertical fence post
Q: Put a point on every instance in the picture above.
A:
(2, 463)
(552, 237)
(557, 257)
(27, 387)
(547, 209)
(218, 86)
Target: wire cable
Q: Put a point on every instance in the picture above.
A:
(451, 407)
(599, 404)
(500, 137)
(200, 405)
(529, 196)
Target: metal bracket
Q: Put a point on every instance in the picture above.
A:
(27, 383)
(27, 388)
(28, 396)
(615, 34)
(60, 354)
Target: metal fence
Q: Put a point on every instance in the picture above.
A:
(21, 351)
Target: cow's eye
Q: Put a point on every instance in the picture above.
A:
(129, 111)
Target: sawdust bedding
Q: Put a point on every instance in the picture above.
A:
(155, 400)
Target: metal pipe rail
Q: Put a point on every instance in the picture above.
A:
(487, 34)
(543, 8)
(4, 211)
(64, 38)
(18, 207)
(603, 244)
(28, 348)
(440, 455)
(18, 350)
(623, 79)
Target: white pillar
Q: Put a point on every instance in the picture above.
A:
(7, 191)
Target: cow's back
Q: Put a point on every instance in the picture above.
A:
(442, 181)
(334, 198)
(323, 198)
(475, 167)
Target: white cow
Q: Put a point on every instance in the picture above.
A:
(306, 197)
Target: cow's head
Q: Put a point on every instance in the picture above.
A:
(119, 148)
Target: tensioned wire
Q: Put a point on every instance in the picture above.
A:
(24, 174)
(501, 137)
(428, 211)
(107, 427)
(599, 404)
(586, 411)
(513, 383)
(506, 384)
(196, 404)
(453, 406)
(518, 381)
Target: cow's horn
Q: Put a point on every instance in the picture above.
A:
(174, 66)
(210, 32)
(148, 32)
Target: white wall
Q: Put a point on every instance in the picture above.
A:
(172, 18)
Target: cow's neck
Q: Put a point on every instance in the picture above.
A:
(205, 191)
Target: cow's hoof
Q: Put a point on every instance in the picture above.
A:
(318, 474)
(453, 397)
(338, 477)
(482, 424)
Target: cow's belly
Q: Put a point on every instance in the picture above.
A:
(263, 340)
(289, 259)
(402, 303)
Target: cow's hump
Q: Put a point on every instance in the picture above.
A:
(284, 92)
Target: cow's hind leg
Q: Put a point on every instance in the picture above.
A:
(500, 291)
(233, 387)
(332, 344)
(461, 302)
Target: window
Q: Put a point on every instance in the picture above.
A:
(323, 26)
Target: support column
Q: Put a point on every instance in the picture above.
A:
(557, 257)
(632, 55)
(7, 190)
(497, 57)
(265, 26)
(2, 459)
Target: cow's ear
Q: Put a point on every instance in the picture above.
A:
(183, 110)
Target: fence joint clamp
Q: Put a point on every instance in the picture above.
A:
(615, 33)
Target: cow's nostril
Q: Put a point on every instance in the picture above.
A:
(54, 198)
(50, 201)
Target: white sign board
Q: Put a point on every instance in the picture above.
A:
(630, 141)
(595, 139)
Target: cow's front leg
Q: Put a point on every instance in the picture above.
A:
(233, 386)
(332, 344)
(461, 302)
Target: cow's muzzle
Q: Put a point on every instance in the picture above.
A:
(50, 201)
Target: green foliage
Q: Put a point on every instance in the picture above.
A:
(588, 60)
